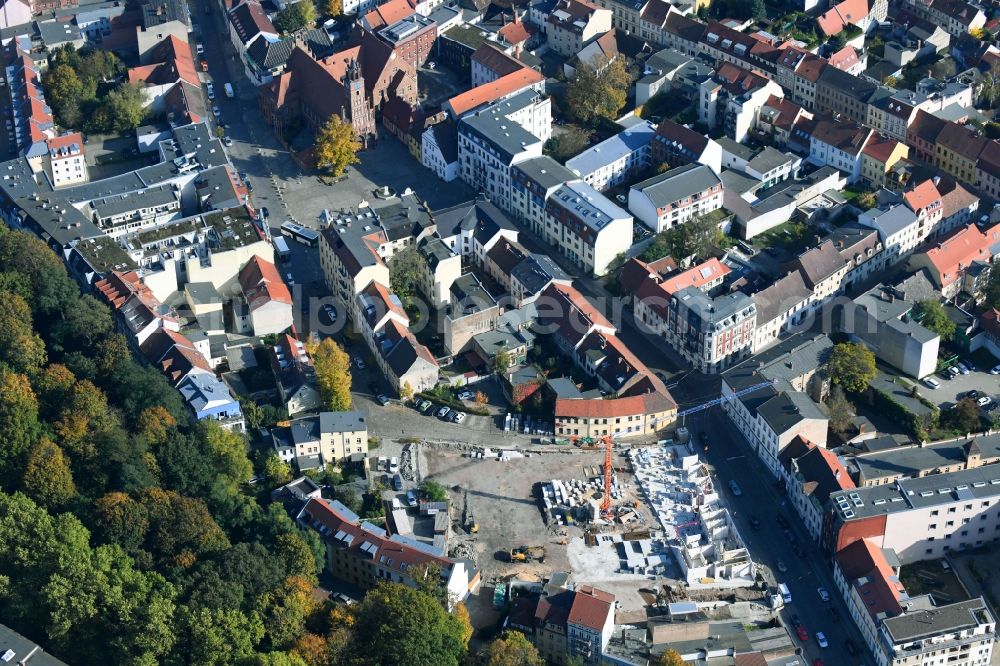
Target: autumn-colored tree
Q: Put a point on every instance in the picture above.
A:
(85, 413)
(512, 649)
(118, 518)
(669, 658)
(598, 90)
(336, 145)
(285, 610)
(47, 476)
(276, 471)
(333, 374)
(333, 8)
(155, 424)
(54, 385)
(852, 366)
(481, 398)
(19, 427)
(311, 648)
(296, 555)
(978, 33)
(20, 346)
(406, 391)
(230, 451)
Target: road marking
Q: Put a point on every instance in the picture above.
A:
(735, 457)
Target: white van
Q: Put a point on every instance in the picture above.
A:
(393, 465)
(786, 594)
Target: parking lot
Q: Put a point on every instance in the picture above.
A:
(953, 390)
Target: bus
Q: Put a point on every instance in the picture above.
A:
(281, 249)
(300, 233)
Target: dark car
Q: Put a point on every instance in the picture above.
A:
(382, 399)
(795, 619)
(264, 212)
(249, 185)
(834, 615)
(974, 394)
(851, 647)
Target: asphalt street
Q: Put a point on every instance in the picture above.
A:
(731, 458)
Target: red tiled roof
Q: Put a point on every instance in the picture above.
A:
(495, 90)
(61, 147)
(845, 13)
(647, 403)
(990, 321)
(262, 284)
(845, 58)
(591, 608)
(515, 33)
(389, 13)
(881, 590)
(881, 149)
(696, 276)
(922, 196)
(958, 252)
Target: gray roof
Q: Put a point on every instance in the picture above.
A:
(200, 389)
(790, 358)
(468, 296)
(158, 12)
(788, 408)
(565, 388)
(781, 296)
(203, 292)
(545, 171)
(634, 138)
(737, 181)
(536, 271)
(890, 222)
(342, 421)
(735, 148)
(48, 213)
(925, 623)
(882, 304)
(769, 158)
(678, 183)
(435, 251)
(712, 310)
(25, 651)
(269, 55)
(491, 125)
(667, 60)
(481, 217)
(586, 204)
(54, 33)
(120, 204)
(911, 460)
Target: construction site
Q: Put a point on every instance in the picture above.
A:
(529, 515)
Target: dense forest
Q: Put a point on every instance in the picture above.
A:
(128, 534)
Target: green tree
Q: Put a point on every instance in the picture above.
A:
(125, 106)
(851, 366)
(180, 528)
(229, 451)
(333, 373)
(512, 649)
(294, 17)
(501, 362)
(276, 471)
(285, 610)
(867, 200)
(405, 269)
(47, 476)
(398, 620)
(699, 236)
(336, 146)
(217, 637)
(964, 416)
(597, 91)
(19, 426)
(839, 410)
(759, 10)
(434, 491)
(118, 518)
(348, 497)
(64, 92)
(932, 316)
(20, 347)
(991, 293)
(568, 142)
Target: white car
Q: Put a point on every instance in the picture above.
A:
(200, 48)
(984, 401)
(359, 362)
(735, 488)
(932, 383)
(228, 141)
(211, 90)
(823, 594)
(995, 371)
(961, 368)
(821, 639)
(459, 417)
(466, 395)
(216, 112)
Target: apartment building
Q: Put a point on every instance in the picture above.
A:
(843, 93)
(439, 270)
(678, 145)
(675, 196)
(123, 214)
(878, 157)
(812, 473)
(880, 319)
(491, 141)
(565, 623)
(572, 24)
(879, 468)
(773, 416)
(295, 375)
(949, 262)
(780, 306)
(65, 164)
(331, 438)
(898, 229)
(823, 269)
(617, 158)
(532, 183)
(833, 142)
(362, 554)
(411, 39)
(586, 226)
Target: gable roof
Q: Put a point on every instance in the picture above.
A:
(961, 250)
(590, 608)
(262, 284)
(495, 60)
(269, 55)
(696, 276)
(922, 196)
(841, 15)
(505, 86)
(250, 20)
(387, 14)
(864, 565)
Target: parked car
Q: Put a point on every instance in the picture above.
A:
(984, 401)
(930, 382)
(995, 370)
(204, 65)
(393, 465)
(383, 399)
(200, 48)
(359, 363)
(818, 662)
(228, 141)
(459, 417)
(970, 365)
(216, 112)
(781, 566)
(411, 498)
(851, 647)
(954, 371)
(962, 368)
(441, 412)
(397, 482)
(466, 395)
(735, 487)
(974, 394)
(210, 89)
(450, 415)
(801, 632)
(823, 594)
(821, 639)
(330, 311)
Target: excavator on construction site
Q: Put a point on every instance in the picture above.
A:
(470, 520)
(527, 554)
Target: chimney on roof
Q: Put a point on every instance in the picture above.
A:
(836, 474)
